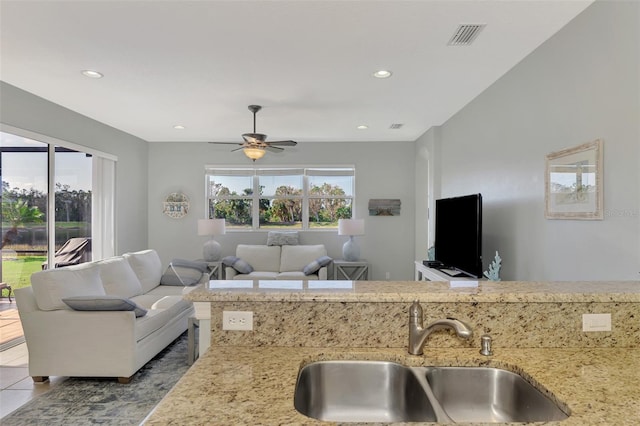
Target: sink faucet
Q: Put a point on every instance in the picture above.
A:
(418, 335)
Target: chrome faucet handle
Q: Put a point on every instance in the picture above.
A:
(485, 343)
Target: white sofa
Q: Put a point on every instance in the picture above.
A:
(66, 342)
(285, 262)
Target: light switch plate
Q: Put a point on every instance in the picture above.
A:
(596, 322)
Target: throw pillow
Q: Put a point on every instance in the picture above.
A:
(315, 265)
(282, 238)
(194, 264)
(104, 303)
(183, 272)
(237, 264)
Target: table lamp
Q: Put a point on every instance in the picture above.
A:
(351, 227)
(211, 251)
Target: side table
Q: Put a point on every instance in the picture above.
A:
(216, 270)
(346, 270)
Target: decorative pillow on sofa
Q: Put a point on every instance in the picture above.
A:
(103, 303)
(237, 264)
(314, 266)
(282, 238)
(183, 272)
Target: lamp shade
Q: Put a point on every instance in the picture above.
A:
(211, 227)
(350, 226)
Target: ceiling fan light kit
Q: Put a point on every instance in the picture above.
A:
(254, 153)
(255, 144)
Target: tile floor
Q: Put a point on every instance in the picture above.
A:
(16, 387)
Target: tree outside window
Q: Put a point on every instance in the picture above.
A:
(280, 198)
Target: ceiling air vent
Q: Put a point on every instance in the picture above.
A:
(396, 125)
(465, 34)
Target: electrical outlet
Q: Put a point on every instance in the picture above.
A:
(237, 320)
(596, 322)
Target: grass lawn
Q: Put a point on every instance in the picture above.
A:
(17, 273)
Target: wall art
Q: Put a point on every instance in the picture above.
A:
(574, 183)
(384, 207)
(176, 205)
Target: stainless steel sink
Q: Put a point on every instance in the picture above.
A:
(361, 391)
(483, 394)
(379, 391)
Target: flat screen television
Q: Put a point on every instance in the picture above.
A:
(458, 236)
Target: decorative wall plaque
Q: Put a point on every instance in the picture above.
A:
(176, 205)
(384, 207)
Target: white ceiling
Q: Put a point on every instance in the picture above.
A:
(309, 63)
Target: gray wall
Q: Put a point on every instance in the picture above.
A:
(29, 112)
(383, 170)
(580, 85)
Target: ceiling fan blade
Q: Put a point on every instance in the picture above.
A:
(254, 137)
(238, 149)
(282, 143)
(227, 143)
(274, 148)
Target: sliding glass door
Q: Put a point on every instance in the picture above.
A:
(72, 206)
(40, 231)
(25, 198)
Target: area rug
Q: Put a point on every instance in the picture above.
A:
(82, 401)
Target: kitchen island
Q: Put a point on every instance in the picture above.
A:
(249, 377)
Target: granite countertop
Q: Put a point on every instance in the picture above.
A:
(246, 385)
(425, 291)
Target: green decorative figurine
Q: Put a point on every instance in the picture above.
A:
(431, 253)
(494, 268)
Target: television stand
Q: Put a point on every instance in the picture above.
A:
(424, 273)
(451, 272)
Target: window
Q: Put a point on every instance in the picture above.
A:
(280, 198)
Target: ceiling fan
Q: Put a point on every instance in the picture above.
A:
(255, 144)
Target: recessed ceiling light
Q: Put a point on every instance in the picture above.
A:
(179, 127)
(382, 74)
(362, 127)
(92, 74)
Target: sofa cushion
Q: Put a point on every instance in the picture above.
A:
(295, 258)
(282, 238)
(316, 264)
(169, 290)
(257, 275)
(118, 278)
(103, 303)
(296, 275)
(238, 264)
(162, 312)
(261, 257)
(147, 266)
(52, 285)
